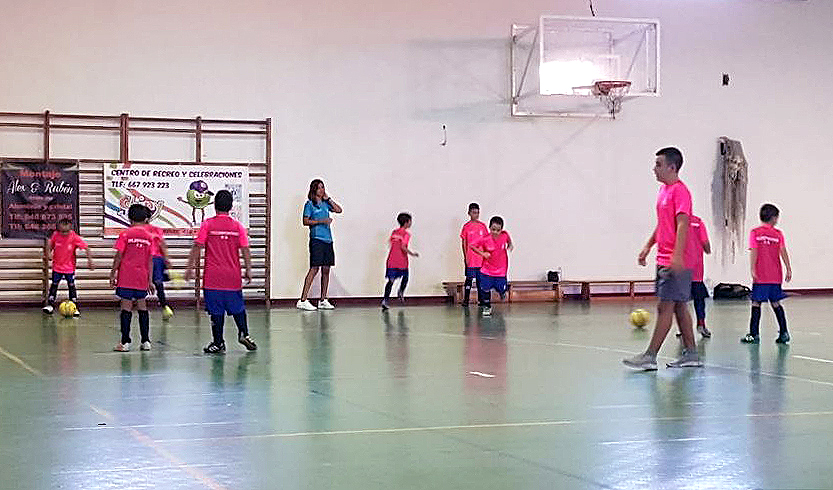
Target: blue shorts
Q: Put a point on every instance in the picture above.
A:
(761, 293)
(394, 273)
(131, 294)
(472, 272)
(487, 283)
(160, 270)
(57, 276)
(218, 302)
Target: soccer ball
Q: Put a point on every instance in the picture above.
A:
(640, 317)
(67, 308)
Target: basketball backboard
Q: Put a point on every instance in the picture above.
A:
(556, 63)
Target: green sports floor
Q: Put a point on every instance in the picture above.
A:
(534, 397)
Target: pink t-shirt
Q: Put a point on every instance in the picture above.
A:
(223, 237)
(398, 258)
(63, 251)
(768, 241)
(672, 200)
(497, 264)
(158, 235)
(134, 270)
(697, 239)
(473, 231)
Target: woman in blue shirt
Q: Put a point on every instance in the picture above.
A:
(321, 255)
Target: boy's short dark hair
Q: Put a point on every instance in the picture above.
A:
(148, 212)
(137, 213)
(673, 156)
(496, 219)
(768, 211)
(64, 221)
(223, 201)
(474, 205)
(403, 218)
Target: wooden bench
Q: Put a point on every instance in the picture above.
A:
(586, 284)
(454, 289)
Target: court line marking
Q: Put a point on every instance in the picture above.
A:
(155, 426)
(500, 425)
(145, 468)
(139, 436)
(813, 359)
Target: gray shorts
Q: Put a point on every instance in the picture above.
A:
(673, 286)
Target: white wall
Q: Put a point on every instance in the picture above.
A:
(359, 90)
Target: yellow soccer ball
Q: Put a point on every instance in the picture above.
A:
(67, 308)
(640, 317)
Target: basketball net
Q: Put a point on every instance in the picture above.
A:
(611, 93)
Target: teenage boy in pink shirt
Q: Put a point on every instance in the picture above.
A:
(768, 249)
(473, 230)
(62, 246)
(223, 238)
(397, 264)
(131, 276)
(493, 248)
(673, 284)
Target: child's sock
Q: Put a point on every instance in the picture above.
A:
(73, 291)
(144, 325)
(242, 323)
(53, 292)
(160, 294)
(755, 321)
(403, 283)
(484, 297)
(781, 317)
(467, 290)
(217, 322)
(126, 317)
(700, 310)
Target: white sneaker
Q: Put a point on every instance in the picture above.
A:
(48, 309)
(643, 362)
(305, 305)
(145, 346)
(122, 347)
(325, 305)
(76, 313)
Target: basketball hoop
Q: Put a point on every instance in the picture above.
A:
(611, 93)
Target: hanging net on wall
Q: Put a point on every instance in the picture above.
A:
(735, 178)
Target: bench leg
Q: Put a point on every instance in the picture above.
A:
(631, 288)
(585, 291)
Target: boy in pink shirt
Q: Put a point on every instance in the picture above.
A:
(224, 239)
(472, 231)
(768, 249)
(493, 248)
(673, 284)
(62, 246)
(159, 251)
(397, 264)
(131, 276)
(698, 244)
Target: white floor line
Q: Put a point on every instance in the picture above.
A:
(828, 361)
(506, 425)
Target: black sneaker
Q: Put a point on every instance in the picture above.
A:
(783, 338)
(215, 348)
(247, 342)
(750, 339)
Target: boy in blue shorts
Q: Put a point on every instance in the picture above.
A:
(493, 248)
(768, 249)
(131, 276)
(223, 238)
(397, 264)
